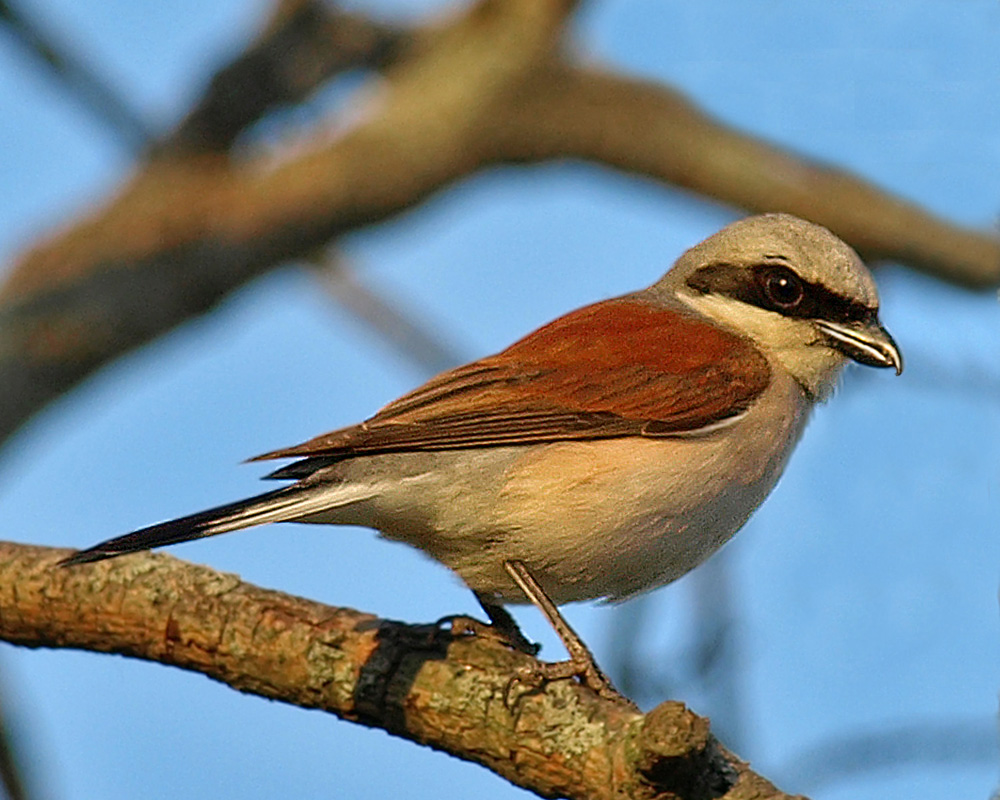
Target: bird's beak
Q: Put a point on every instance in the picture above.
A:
(867, 344)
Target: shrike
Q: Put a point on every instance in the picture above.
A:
(608, 452)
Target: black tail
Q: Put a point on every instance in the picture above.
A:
(275, 506)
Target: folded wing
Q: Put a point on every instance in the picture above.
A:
(623, 367)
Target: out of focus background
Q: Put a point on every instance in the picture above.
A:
(846, 642)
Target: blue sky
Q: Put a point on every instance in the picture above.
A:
(865, 589)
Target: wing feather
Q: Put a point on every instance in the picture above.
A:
(624, 367)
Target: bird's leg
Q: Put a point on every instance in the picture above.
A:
(581, 662)
(503, 623)
(502, 626)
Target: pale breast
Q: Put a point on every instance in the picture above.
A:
(593, 519)
(616, 517)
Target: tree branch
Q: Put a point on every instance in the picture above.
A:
(488, 86)
(652, 130)
(77, 76)
(305, 43)
(186, 231)
(415, 682)
(13, 785)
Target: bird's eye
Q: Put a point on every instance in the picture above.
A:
(783, 288)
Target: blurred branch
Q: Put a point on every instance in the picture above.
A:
(629, 668)
(649, 129)
(73, 73)
(186, 231)
(396, 326)
(717, 651)
(919, 744)
(12, 782)
(489, 85)
(305, 43)
(415, 682)
(709, 665)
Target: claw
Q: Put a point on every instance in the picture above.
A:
(537, 675)
(460, 625)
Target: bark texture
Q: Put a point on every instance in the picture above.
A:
(416, 682)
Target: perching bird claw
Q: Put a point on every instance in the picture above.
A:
(460, 625)
(535, 676)
(581, 662)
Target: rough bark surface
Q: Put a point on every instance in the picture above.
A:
(417, 682)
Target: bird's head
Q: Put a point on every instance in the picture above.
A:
(801, 294)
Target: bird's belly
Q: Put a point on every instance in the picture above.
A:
(596, 519)
(616, 518)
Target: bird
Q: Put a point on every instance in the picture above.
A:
(605, 454)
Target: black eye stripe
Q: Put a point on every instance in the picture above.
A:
(748, 286)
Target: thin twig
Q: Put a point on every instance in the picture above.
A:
(948, 743)
(12, 779)
(397, 326)
(80, 79)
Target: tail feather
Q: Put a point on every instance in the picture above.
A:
(289, 503)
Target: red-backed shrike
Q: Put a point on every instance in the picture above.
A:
(606, 453)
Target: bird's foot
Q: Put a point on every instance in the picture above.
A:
(581, 662)
(460, 625)
(535, 676)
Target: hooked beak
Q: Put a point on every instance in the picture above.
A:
(867, 344)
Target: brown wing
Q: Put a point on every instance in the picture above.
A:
(622, 367)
